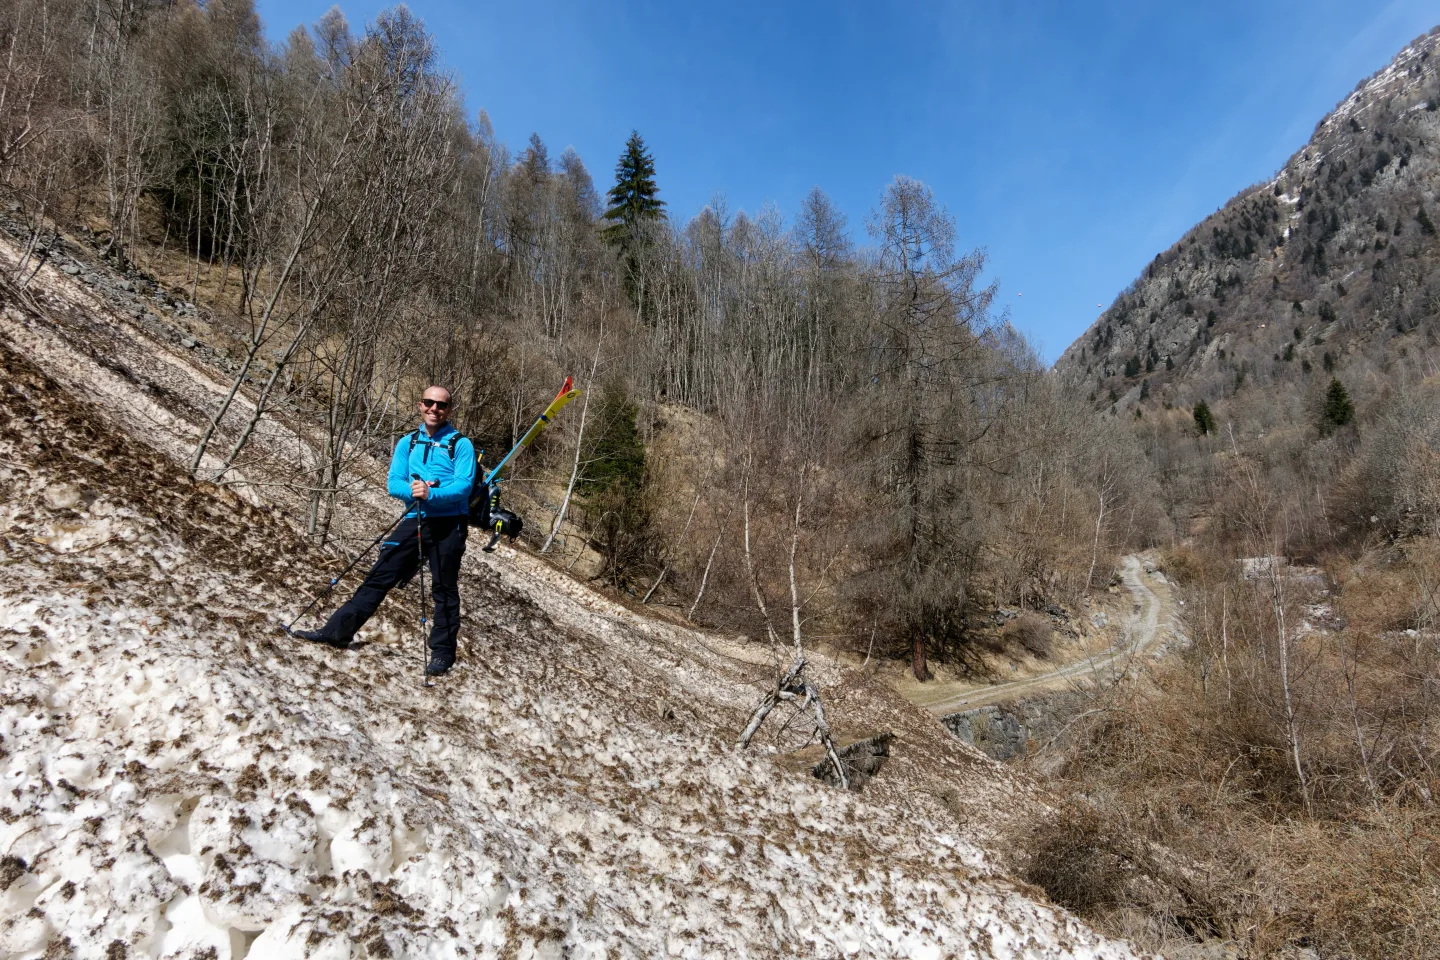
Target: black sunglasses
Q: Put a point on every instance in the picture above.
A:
(437, 404)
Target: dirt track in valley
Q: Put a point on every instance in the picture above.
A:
(1150, 622)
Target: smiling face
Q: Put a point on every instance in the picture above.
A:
(435, 407)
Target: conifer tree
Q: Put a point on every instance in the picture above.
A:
(634, 198)
(612, 485)
(1204, 419)
(1427, 226)
(1338, 410)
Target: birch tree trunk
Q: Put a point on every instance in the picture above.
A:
(666, 568)
(750, 571)
(579, 447)
(1292, 732)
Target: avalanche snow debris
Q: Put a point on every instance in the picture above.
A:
(176, 781)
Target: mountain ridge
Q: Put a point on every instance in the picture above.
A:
(1330, 263)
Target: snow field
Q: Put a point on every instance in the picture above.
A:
(177, 779)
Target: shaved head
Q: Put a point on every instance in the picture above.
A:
(434, 407)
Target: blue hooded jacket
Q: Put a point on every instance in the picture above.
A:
(418, 452)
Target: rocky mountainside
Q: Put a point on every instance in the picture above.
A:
(1331, 269)
(180, 780)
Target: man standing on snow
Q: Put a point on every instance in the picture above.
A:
(444, 461)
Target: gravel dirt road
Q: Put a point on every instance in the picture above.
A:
(1150, 623)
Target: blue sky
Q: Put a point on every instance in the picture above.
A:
(1073, 141)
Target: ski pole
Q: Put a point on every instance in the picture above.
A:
(341, 575)
(420, 547)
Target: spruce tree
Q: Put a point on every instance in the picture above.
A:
(1427, 226)
(1204, 419)
(612, 485)
(634, 198)
(1338, 410)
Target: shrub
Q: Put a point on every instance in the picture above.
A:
(1075, 859)
(612, 485)
(1391, 591)
(1187, 566)
(1033, 632)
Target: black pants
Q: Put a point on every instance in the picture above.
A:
(444, 543)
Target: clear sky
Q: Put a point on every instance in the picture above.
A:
(1072, 140)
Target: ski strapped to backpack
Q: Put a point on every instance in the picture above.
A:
(485, 501)
(562, 398)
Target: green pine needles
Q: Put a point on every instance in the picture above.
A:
(1338, 410)
(1204, 419)
(634, 199)
(612, 486)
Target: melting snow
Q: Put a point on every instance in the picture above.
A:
(179, 780)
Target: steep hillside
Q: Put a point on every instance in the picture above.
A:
(178, 779)
(1284, 747)
(1331, 269)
